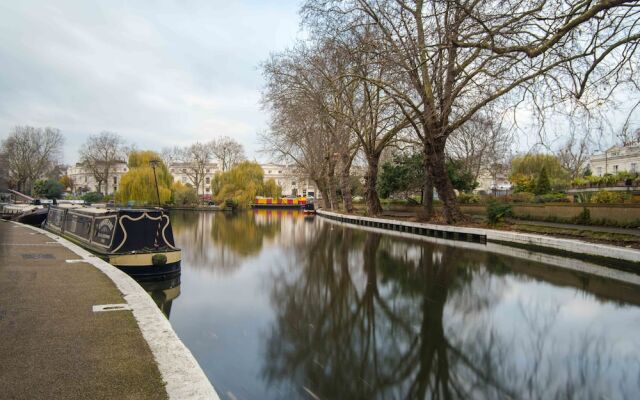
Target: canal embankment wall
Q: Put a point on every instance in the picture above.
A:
(480, 235)
(183, 376)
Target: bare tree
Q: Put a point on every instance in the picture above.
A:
(227, 151)
(480, 144)
(302, 128)
(574, 154)
(629, 133)
(194, 160)
(170, 155)
(31, 153)
(453, 58)
(100, 153)
(353, 114)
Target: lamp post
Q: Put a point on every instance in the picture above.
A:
(154, 164)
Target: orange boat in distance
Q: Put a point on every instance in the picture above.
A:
(285, 202)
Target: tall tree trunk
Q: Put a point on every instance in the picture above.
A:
(345, 184)
(326, 198)
(427, 190)
(331, 183)
(370, 183)
(436, 159)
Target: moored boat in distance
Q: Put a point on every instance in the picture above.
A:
(30, 214)
(138, 241)
(309, 209)
(270, 202)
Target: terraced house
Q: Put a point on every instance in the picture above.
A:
(625, 158)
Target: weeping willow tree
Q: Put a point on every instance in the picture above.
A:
(243, 183)
(138, 183)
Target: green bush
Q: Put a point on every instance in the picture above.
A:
(496, 212)
(606, 197)
(468, 198)
(584, 217)
(543, 184)
(92, 197)
(48, 188)
(523, 197)
(230, 204)
(552, 198)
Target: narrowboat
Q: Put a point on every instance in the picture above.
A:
(309, 209)
(30, 214)
(137, 241)
(269, 202)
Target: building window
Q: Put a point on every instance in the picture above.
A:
(184, 170)
(634, 167)
(207, 189)
(279, 172)
(293, 183)
(115, 180)
(207, 179)
(599, 171)
(115, 188)
(615, 169)
(208, 170)
(269, 171)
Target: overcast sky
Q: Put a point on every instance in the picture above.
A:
(158, 73)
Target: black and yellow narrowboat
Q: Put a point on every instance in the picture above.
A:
(285, 202)
(138, 241)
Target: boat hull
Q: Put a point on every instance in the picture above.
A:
(33, 218)
(159, 272)
(287, 206)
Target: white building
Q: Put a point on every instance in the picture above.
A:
(616, 159)
(85, 181)
(180, 172)
(292, 182)
(492, 181)
(290, 179)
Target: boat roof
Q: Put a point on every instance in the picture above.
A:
(103, 210)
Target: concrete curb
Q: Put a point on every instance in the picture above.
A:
(180, 371)
(494, 235)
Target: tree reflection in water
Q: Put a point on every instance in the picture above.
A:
(359, 315)
(220, 240)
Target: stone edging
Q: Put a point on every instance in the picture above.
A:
(183, 377)
(494, 235)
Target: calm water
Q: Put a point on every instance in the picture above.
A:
(276, 306)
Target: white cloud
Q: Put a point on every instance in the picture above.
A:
(159, 74)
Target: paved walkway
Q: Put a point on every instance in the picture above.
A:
(52, 345)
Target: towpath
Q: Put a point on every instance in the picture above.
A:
(52, 344)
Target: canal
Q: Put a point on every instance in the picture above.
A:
(274, 305)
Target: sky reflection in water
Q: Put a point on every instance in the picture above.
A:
(274, 305)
